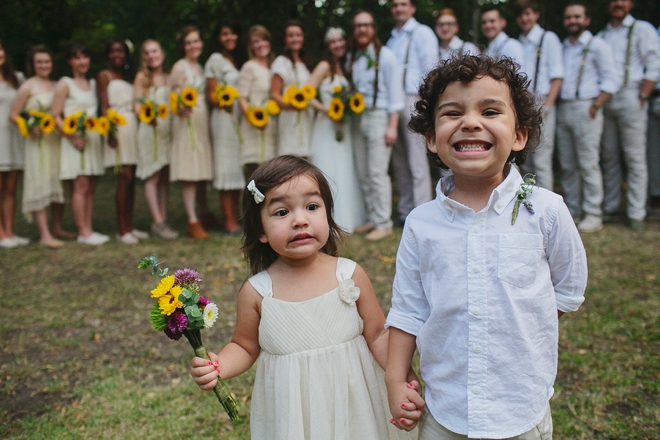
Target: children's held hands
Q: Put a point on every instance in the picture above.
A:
(406, 404)
(205, 372)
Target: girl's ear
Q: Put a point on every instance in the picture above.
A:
(263, 238)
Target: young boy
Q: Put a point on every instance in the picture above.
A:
(478, 287)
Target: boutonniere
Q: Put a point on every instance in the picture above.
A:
(526, 188)
(364, 53)
(348, 292)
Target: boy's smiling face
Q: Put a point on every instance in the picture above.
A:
(475, 128)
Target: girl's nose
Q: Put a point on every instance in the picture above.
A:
(300, 218)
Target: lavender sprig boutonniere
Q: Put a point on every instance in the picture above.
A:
(526, 188)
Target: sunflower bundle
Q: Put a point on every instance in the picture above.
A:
(180, 311)
(259, 116)
(299, 98)
(77, 124)
(225, 95)
(29, 119)
(188, 99)
(149, 110)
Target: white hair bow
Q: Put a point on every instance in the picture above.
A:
(258, 196)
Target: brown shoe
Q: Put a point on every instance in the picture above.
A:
(53, 244)
(367, 227)
(196, 230)
(378, 234)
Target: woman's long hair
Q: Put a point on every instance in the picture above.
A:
(147, 74)
(261, 32)
(301, 53)
(216, 46)
(127, 69)
(7, 69)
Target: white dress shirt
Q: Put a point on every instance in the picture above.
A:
(458, 46)
(390, 88)
(550, 64)
(599, 72)
(645, 49)
(422, 56)
(481, 296)
(503, 45)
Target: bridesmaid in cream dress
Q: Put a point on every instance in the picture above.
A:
(154, 140)
(221, 69)
(11, 154)
(81, 157)
(254, 86)
(42, 186)
(191, 143)
(115, 91)
(294, 126)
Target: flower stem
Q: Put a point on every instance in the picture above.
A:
(155, 143)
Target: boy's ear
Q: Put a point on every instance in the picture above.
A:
(430, 141)
(520, 140)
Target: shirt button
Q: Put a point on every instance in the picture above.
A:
(475, 229)
(498, 206)
(477, 349)
(476, 268)
(476, 311)
(476, 390)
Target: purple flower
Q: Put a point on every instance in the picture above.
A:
(177, 323)
(173, 336)
(202, 301)
(186, 277)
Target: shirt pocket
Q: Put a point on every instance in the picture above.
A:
(518, 257)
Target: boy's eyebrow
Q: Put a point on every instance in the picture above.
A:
(487, 101)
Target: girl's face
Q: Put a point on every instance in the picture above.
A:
(79, 63)
(294, 219)
(337, 46)
(43, 64)
(260, 46)
(228, 38)
(117, 55)
(193, 45)
(294, 38)
(153, 55)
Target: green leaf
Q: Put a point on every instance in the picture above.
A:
(189, 297)
(193, 311)
(158, 320)
(147, 262)
(163, 272)
(154, 271)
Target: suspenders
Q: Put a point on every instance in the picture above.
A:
(628, 53)
(582, 63)
(405, 65)
(376, 66)
(539, 51)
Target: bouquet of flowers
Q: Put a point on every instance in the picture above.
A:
(188, 99)
(76, 124)
(337, 108)
(115, 120)
(147, 115)
(181, 311)
(258, 117)
(298, 98)
(225, 95)
(29, 119)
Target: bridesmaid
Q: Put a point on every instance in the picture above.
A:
(42, 186)
(331, 146)
(254, 86)
(154, 154)
(191, 144)
(115, 91)
(81, 157)
(294, 126)
(11, 154)
(222, 69)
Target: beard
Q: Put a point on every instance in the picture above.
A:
(575, 30)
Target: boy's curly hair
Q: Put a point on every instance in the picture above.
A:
(467, 68)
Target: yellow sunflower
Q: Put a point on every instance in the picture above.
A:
(257, 116)
(70, 124)
(272, 108)
(162, 111)
(102, 125)
(174, 103)
(357, 103)
(170, 302)
(165, 285)
(47, 124)
(91, 123)
(338, 89)
(147, 113)
(226, 95)
(336, 109)
(116, 118)
(189, 96)
(36, 113)
(289, 93)
(299, 100)
(308, 91)
(22, 125)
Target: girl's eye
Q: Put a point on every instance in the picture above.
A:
(312, 207)
(281, 213)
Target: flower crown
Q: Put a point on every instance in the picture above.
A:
(258, 196)
(333, 32)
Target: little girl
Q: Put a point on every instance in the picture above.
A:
(314, 318)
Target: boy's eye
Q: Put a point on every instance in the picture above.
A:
(491, 112)
(280, 213)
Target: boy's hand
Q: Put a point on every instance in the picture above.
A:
(205, 372)
(406, 404)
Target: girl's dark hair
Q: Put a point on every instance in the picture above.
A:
(181, 35)
(127, 69)
(270, 174)
(8, 72)
(74, 49)
(341, 62)
(301, 53)
(214, 42)
(29, 58)
(467, 68)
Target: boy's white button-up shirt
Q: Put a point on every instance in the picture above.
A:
(598, 74)
(550, 64)
(455, 47)
(503, 45)
(481, 295)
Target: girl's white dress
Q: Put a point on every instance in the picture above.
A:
(225, 134)
(73, 162)
(335, 159)
(293, 126)
(153, 156)
(316, 378)
(11, 141)
(120, 99)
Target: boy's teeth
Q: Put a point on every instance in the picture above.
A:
(470, 147)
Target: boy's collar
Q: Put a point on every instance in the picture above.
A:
(499, 199)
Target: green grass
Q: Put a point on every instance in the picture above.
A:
(78, 358)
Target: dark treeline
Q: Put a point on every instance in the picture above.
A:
(59, 22)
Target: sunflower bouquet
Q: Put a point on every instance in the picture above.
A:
(29, 119)
(181, 311)
(77, 124)
(115, 120)
(187, 99)
(343, 103)
(258, 117)
(224, 95)
(149, 110)
(299, 97)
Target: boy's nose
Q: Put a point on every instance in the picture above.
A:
(470, 122)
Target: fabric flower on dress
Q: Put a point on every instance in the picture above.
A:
(348, 292)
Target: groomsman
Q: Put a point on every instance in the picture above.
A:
(499, 43)
(376, 73)
(653, 149)
(637, 56)
(542, 62)
(416, 49)
(590, 79)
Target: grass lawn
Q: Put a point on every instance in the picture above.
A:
(79, 359)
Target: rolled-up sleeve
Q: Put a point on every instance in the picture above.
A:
(410, 308)
(650, 51)
(393, 78)
(555, 61)
(610, 79)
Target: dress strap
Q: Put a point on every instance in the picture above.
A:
(262, 283)
(345, 269)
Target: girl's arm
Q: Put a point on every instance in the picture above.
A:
(405, 401)
(102, 81)
(56, 109)
(321, 72)
(245, 82)
(243, 350)
(276, 88)
(177, 80)
(374, 321)
(22, 96)
(138, 91)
